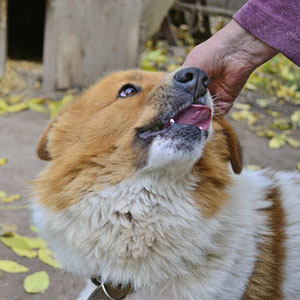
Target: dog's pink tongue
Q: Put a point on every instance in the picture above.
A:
(196, 115)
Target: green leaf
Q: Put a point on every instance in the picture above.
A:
(12, 267)
(295, 117)
(37, 282)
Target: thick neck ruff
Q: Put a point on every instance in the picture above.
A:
(147, 231)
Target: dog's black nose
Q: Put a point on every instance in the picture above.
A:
(192, 80)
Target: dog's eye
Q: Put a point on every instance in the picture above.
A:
(128, 90)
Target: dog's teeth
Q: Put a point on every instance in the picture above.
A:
(172, 121)
(200, 128)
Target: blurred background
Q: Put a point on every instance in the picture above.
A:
(51, 50)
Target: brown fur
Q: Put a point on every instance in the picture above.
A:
(90, 146)
(267, 277)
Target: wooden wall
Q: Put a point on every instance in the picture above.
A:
(83, 39)
(3, 35)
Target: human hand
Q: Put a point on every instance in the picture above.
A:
(229, 57)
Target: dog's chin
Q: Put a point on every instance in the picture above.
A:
(177, 148)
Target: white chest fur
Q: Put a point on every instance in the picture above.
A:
(148, 231)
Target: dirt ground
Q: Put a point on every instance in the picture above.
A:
(19, 133)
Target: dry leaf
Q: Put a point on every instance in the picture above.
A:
(15, 241)
(7, 229)
(2, 194)
(37, 282)
(253, 167)
(3, 161)
(33, 229)
(12, 267)
(10, 199)
(46, 256)
(25, 253)
(292, 142)
(277, 141)
(242, 106)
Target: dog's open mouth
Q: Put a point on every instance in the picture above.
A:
(195, 115)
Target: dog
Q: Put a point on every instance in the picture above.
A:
(145, 189)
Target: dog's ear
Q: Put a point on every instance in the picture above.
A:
(236, 156)
(42, 148)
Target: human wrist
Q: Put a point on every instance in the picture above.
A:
(240, 44)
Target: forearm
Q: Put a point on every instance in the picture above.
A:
(276, 22)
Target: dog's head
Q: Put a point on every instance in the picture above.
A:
(133, 121)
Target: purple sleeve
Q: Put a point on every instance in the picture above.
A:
(276, 22)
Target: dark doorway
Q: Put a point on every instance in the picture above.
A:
(26, 20)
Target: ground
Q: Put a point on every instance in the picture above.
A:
(19, 133)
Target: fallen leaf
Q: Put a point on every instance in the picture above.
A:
(46, 256)
(2, 194)
(277, 141)
(295, 117)
(253, 167)
(36, 283)
(14, 99)
(25, 253)
(35, 243)
(17, 107)
(36, 107)
(263, 102)
(292, 142)
(10, 199)
(3, 161)
(15, 241)
(12, 207)
(12, 267)
(242, 106)
(33, 229)
(298, 166)
(250, 117)
(7, 229)
(274, 114)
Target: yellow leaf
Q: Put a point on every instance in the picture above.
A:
(37, 282)
(46, 256)
(263, 102)
(250, 86)
(292, 142)
(2, 194)
(35, 243)
(298, 166)
(3, 105)
(250, 117)
(277, 142)
(15, 99)
(12, 267)
(12, 198)
(15, 241)
(3, 161)
(25, 253)
(33, 229)
(17, 107)
(295, 117)
(36, 107)
(35, 101)
(242, 106)
(253, 167)
(274, 114)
